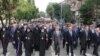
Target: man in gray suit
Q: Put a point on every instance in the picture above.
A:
(57, 39)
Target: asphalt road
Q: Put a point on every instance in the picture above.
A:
(50, 52)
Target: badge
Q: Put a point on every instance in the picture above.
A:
(3, 29)
(42, 38)
(28, 38)
(25, 37)
(3, 36)
(18, 38)
(17, 31)
(47, 39)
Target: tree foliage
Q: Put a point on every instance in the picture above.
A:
(50, 10)
(66, 12)
(26, 11)
(86, 11)
(54, 11)
(7, 7)
(42, 14)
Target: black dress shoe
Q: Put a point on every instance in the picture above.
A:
(55, 53)
(97, 55)
(67, 53)
(84, 55)
(80, 53)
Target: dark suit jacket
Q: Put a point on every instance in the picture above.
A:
(70, 39)
(92, 35)
(84, 38)
(97, 38)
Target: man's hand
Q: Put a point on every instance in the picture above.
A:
(66, 43)
(13, 42)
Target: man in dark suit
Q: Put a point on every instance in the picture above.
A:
(85, 37)
(70, 40)
(91, 32)
(49, 32)
(64, 30)
(4, 39)
(96, 41)
(76, 35)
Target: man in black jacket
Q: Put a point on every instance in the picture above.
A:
(70, 40)
(96, 41)
(85, 37)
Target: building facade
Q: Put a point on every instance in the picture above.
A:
(75, 5)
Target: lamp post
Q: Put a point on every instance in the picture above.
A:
(61, 9)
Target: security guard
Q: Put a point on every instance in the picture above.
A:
(96, 41)
(85, 37)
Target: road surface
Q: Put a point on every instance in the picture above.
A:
(50, 52)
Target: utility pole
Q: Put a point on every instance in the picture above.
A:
(61, 9)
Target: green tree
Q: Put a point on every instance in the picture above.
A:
(1, 12)
(57, 10)
(26, 11)
(7, 7)
(86, 11)
(97, 9)
(54, 10)
(50, 10)
(42, 14)
(66, 12)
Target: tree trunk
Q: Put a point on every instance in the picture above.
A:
(9, 16)
(6, 21)
(1, 21)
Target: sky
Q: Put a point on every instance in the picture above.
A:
(42, 4)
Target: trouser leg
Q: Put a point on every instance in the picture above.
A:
(55, 46)
(67, 49)
(71, 47)
(63, 43)
(4, 45)
(27, 53)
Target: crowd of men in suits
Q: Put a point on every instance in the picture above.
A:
(40, 36)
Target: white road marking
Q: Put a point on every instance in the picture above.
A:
(89, 54)
(8, 53)
(23, 54)
(36, 53)
(70, 54)
(52, 51)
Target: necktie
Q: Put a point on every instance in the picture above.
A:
(86, 35)
(70, 33)
(97, 36)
